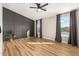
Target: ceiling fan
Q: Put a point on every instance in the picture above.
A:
(39, 6)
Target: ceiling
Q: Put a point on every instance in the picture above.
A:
(52, 9)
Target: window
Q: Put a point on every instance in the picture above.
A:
(65, 25)
(38, 28)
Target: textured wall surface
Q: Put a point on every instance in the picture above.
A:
(16, 23)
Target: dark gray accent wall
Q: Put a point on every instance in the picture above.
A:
(17, 23)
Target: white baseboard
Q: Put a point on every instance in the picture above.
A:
(48, 37)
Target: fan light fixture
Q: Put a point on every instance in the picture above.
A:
(39, 7)
(38, 10)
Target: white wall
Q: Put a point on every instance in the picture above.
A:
(78, 25)
(49, 27)
(1, 28)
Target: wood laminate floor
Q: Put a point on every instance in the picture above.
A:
(38, 47)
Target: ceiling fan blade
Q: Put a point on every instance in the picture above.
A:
(44, 5)
(43, 9)
(33, 7)
(38, 5)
